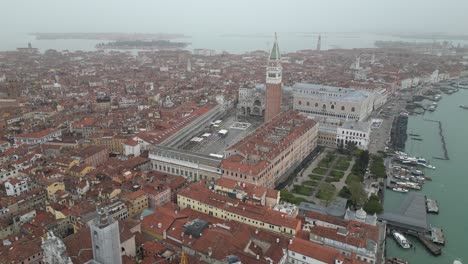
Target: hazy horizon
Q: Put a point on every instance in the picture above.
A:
(235, 17)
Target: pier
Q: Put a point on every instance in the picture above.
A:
(441, 133)
(411, 218)
(433, 248)
(432, 206)
(437, 235)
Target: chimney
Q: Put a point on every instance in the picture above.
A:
(258, 257)
(256, 231)
(290, 241)
(159, 225)
(210, 251)
(277, 240)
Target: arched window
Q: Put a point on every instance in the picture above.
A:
(352, 109)
(299, 102)
(324, 106)
(316, 104)
(342, 108)
(332, 107)
(307, 103)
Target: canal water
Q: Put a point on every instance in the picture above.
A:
(450, 180)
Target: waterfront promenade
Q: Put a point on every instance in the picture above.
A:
(449, 179)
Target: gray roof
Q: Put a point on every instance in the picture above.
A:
(185, 155)
(411, 214)
(329, 92)
(337, 208)
(359, 126)
(196, 227)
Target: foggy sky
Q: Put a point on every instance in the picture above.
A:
(234, 16)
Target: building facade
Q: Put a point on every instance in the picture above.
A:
(354, 132)
(136, 202)
(37, 137)
(251, 101)
(272, 150)
(336, 102)
(203, 200)
(192, 166)
(16, 187)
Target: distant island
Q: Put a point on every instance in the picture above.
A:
(141, 44)
(107, 36)
(433, 36)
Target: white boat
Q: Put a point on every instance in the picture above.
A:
(457, 261)
(428, 166)
(401, 239)
(399, 189)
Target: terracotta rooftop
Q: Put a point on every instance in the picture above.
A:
(255, 152)
(198, 192)
(37, 135)
(314, 250)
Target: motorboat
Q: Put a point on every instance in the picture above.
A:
(429, 166)
(399, 189)
(410, 185)
(401, 239)
(397, 261)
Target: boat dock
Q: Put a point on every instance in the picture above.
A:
(411, 218)
(432, 206)
(437, 235)
(433, 248)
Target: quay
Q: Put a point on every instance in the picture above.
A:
(437, 235)
(432, 206)
(433, 248)
(411, 218)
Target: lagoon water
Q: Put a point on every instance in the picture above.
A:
(450, 180)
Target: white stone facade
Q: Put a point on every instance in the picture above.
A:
(354, 132)
(336, 102)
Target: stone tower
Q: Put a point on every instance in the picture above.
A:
(273, 83)
(106, 239)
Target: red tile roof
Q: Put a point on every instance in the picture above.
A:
(266, 143)
(198, 192)
(314, 250)
(40, 134)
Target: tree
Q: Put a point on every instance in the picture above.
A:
(350, 147)
(341, 148)
(377, 167)
(326, 192)
(364, 159)
(345, 193)
(358, 195)
(373, 205)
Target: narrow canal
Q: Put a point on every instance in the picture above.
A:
(450, 179)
